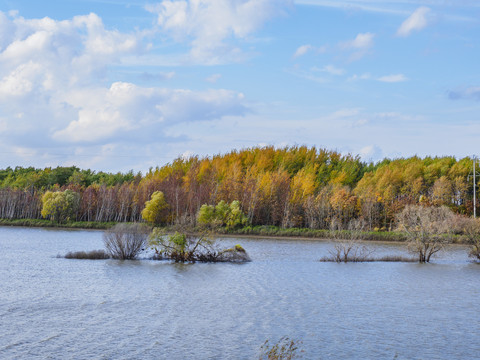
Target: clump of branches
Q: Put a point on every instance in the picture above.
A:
(284, 349)
(89, 255)
(182, 247)
(427, 228)
(125, 241)
(348, 248)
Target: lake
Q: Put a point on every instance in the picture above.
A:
(55, 308)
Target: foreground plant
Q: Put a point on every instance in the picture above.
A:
(284, 349)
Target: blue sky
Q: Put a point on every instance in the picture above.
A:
(116, 85)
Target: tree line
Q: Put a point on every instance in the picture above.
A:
(295, 186)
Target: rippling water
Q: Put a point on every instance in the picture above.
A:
(54, 308)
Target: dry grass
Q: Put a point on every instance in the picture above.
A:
(396, 258)
(285, 349)
(88, 255)
(386, 258)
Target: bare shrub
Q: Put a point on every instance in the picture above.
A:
(427, 228)
(89, 255)
(471, 233)
(468, 230)
(285, 349)
(347, 246)
(125, 241)
(349, 251)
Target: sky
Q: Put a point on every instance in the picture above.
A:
(119, 85)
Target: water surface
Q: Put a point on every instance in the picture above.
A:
(53, 308)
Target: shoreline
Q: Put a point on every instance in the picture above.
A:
(248, 232)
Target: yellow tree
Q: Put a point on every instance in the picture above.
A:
(442, 192)
(60, 205)
(154, 209)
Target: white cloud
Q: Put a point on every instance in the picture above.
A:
(333, 70)
(365, 76)
(302, 50)
(371, 153)
(415, 22)
(361, 42)
(345, 113)
(395, 78)
(353, 5)
(360, 46)
(160, 76)
(55, 92)
(207, 25)
(213, 78)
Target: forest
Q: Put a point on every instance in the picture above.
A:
(286, 187)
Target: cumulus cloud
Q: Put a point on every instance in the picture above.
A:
(371, 153)
(415, 22)
(394, 78)
(207, 24)
(125, 108)
(55, 90)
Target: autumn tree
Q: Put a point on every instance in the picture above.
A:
(60, 206)
(154, 209)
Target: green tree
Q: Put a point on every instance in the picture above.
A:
(223, 214)
(60, 206)
(206, 214)
(154, 209)
(235, 216)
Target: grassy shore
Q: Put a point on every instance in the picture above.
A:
(274, 231)
(256, 231)
(53, 224)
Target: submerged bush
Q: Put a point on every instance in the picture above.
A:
(125, 241)
(181, 247)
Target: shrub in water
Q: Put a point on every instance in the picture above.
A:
(125, 241)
